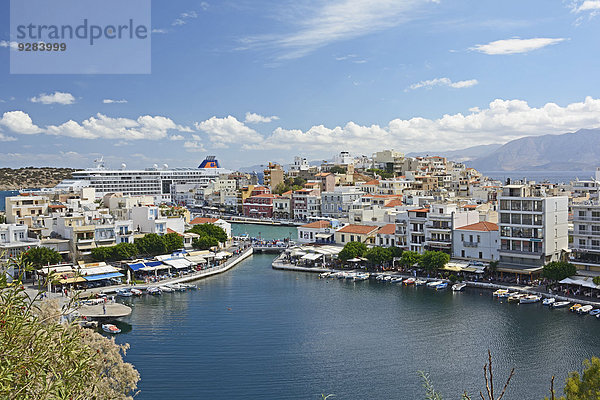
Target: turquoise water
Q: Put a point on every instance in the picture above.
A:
(257, 333)
(267, 232)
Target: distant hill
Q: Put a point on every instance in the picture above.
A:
(577, 151)
(463, 155)
(32, 178)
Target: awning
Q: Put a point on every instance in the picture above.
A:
(106, 269)
(178, 263)
(152, 263)
(103, 276)
(323, 235)
(55, 269)
(312, 256)
(354, 260)
(454, 268)
(297, 253)
(75, 279)
(136, 266)
(585, 282)
(196, 259)
(149, 268)
(223, 254)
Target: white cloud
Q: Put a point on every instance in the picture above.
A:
(253, 118)
(443, 82)
(111, 101)
(501, 121)
(335, 21)
(589, 5)
(223, 132)
(4, 138)
(156, 30)
(12, 45)
(54, 98)
(19, 122)
(591, 8)
(101, 126)
(176, 137)
(184, 17)
(515, 45)
(193, 146)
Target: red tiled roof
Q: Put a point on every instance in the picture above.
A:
(56, 206)
(420, 210)
(269, 195)
(480, 226)
(317, 225)
(388, 229)
(358, 229)
(394, 203)
(169, 230)
(473, 206)
(372, 182)
(201, 220)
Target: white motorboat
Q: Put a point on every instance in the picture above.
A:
(549, 301)
(420, 282)
(560, 304)
(442, 286)
(379, 277)
(135, 292)
(154, 290)
(499, 292)
(532, 298)
(595, 311)
(189, 286)
(397, 279)
(166, 289)
(361, 276)
(409, 281)
(124, 293)
(324, 275)
(434, 284)
(388, 278)
(177, 287)
(504, 295)
(584, 309)
(516, 297)
(110, 328)
(458, 287)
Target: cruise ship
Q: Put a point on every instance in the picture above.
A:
(153, 181)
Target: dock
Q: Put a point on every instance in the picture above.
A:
(109, 311)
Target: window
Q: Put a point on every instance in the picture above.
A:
(478, 240)
(480, 254)
(352, 238)
(462, 253)
(462, 237)
(343, 238)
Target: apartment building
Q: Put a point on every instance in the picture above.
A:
(25, 210)
(337, 203)
(585, 247)
(273, 175)
(479, 241)
(533, 226)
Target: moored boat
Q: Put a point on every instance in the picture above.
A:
(420, 282)
(409, 281)
(532, 298)
(515, 297)
(136, 292)
(499, 292)
(560, 304)
(434, 284)
(595, 311)
(166, 289)
(442, 286)
(110, 328)
(361, 276)
(584, 309)
(549, 301)
(458, 287)
(396, 280)
(154, 290)
(124, 293)
(575, 307)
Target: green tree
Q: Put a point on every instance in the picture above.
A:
(125, 251)
(151, 245)
(378, 255)
(558, 270)
(431, 261)
(41, 256)
(2, 219)
(210, 230)
(299, 181)
(596, 280)
(396, 252)
(336, 169)
(352, 250)
(204, 242)
(409, 259)
(102, 253)
(173, 242)
(586, 386)
(281, 188)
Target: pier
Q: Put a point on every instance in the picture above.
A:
(109, 311)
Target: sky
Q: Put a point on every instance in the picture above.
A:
(258, 81)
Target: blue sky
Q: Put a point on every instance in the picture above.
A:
(258, 81)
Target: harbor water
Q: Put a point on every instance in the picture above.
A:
(258, 333)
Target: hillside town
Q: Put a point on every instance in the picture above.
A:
(415, 204)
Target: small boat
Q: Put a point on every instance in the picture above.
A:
(388, 278)
(154, 290)
(516, 297)
(324, 275)
(361, 276)
(499, 292)
(584, 309)
(532, 298)
(124, 293)
(506, 295)
(560, 304)
(575, 307)
(136, 292)
(442, 286)
(434, 284)
(189, 286)
(409, 281)
(595, 311)
(397, 280)
(420, 282)
(177, 287)
(110, 328)
(458, 287)
(380, 277)
(548, 301)
(88, 324)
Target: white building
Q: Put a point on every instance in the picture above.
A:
(316, 232)
(533, 227)
(25, 209)
(586, 235)
(147, 219)
(14, 240)
(479, 241)
(338, 203)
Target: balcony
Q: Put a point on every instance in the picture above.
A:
(470, 244)
(585, 247)
(439, 240)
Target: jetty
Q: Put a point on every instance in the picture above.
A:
(109, 311)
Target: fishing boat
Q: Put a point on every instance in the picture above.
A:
(136, 292)
(516, 297)
(442, 286)
(434, 284)
(177, 287)
(575, 307)
(532, 298)
(361, 276)
(166, 289)
(458, 287)
(499, 292)
(154, 290)
(420, 282)
(595, 311)
(397, 280)
(560, 304)
(189, 286)
(409, 281)
(504, 295)
(124, 293)
(584, 309)
(110, 328)
(549, 301)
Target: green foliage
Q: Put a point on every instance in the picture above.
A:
(204, 242)
(379, 255)
(383, 174)
(210, 230)
(409, 259)
(41, 256)
(596, 280)
(453, 278)
(396, 252)
(558, 270)
(173, 242)
(431, 261)
(336, 169)
(124, 251)
(430, 393)
(151, 245)
(2, 219)
(298, 181)
(101, 253)
(352, 250)
(586, 386)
